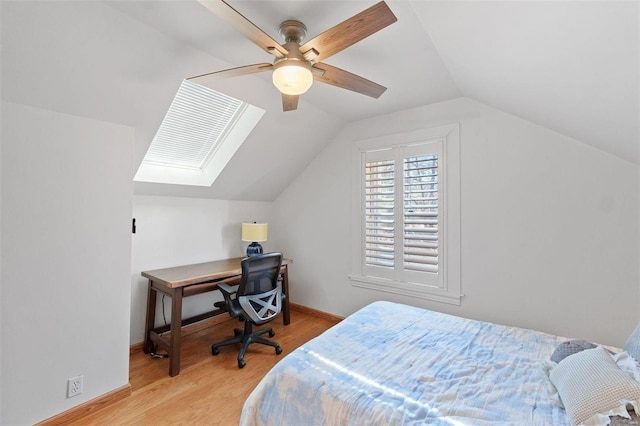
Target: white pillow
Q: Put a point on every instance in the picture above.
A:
(593, 388)
(633, 344)
(628, 364)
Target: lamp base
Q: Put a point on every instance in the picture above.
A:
(254, 249)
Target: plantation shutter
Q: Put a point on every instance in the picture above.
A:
(402, 212)
(379, 205)
(420, 213)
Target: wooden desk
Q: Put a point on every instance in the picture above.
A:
(184, 281)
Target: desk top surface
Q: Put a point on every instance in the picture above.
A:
(180, 276)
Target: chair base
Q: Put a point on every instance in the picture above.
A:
(247, 337)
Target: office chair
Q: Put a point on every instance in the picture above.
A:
(257, 300)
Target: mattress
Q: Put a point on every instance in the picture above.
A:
(396, 364)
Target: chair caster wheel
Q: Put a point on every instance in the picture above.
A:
(278, 350)
(241, 363)
(215, 351)
(271, 333)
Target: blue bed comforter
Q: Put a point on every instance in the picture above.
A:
(391, 364)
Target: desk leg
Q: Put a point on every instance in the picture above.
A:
(176, 331)
(151, 319)
(286, 318)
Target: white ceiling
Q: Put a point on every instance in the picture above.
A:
(570, 66)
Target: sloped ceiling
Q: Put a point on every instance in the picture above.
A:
(570, 66)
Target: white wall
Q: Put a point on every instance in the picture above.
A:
(549, 226)
(66, 259)
(1, 398)
(174, 231)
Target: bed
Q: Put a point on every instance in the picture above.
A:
(395, 364)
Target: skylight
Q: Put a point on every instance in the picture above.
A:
(198, 136)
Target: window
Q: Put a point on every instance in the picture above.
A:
(198, 136)
(405, 229)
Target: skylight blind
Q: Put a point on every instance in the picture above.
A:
(379, 213)
(420, 213)
(193, 127)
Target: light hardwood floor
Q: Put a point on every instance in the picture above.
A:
(210, 390)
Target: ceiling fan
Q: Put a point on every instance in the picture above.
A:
(296, 65)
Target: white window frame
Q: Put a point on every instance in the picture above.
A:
(445, 286)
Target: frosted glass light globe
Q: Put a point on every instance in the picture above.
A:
(292, 77)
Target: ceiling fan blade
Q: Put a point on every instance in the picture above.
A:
(346, 80)
(289, 102)
(224, 11)
(349, 32)
(233, 72)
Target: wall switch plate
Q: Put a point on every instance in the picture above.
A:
(74, 386)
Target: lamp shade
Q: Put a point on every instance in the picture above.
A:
(254, 232)
(292, 77)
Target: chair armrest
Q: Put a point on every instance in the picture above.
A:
(226, 289)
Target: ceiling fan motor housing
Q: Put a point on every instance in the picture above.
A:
(292, 30)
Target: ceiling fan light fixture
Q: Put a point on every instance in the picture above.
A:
(293, 71)
(292, 77)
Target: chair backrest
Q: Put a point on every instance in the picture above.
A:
(258, 293)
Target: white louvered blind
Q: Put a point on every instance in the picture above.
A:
(405, 214)
(193, 127)
(379, 213)
(402, 211)
(420, 213)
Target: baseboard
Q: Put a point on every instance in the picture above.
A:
(316, 313)
(89, 407)
(135, 348)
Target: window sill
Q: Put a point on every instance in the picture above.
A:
(420, 291)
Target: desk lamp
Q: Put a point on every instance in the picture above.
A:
(256, 233)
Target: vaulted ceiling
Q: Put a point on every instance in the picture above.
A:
(571, 66)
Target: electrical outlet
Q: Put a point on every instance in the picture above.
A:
(74, 386)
